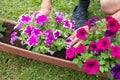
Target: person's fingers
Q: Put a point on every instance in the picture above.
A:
(77, 44)
(74, 41)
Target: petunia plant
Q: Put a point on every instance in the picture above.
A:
(2, 30)
(36, 31)
(99, 49)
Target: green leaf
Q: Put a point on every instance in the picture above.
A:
(102, 69)
(102, 62)
(75, 60)
(1, 35)
(2, 29)
(109, 75)
(118, 61)
(80, 64)
(1, 23)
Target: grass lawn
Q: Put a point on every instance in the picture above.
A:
(18, 68)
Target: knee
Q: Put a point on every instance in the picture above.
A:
(106, 7)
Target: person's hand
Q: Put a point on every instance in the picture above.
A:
(45, 7)
(75, 40)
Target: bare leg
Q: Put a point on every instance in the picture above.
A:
(110, 6)
(45, 7)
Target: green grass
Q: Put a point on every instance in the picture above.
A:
(18, 68)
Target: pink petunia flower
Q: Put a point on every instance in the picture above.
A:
(70, 53)
(115, 51)
(81, 33)
(103, 43)
(80, 49)
(91, 66)
(112, 24)
(25, 18)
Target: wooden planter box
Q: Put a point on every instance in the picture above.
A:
(37, 56)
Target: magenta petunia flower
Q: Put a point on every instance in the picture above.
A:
(48, 32)
(25, 18)
(28, 30)
(116, 71)
(59, 17)
(103, 43)
(19, 25)
(81, 33)
(32, 40)
(70, 53)
(115, 51)
(67, 23)
(93, 47)
(91, 66)
(40, 19)
(56, 34)
(80, 49)
(13, 37)
(112, 24)
(36, 31)
(49, 39)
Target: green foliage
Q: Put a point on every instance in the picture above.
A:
(2, 29)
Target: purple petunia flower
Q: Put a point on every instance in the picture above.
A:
(68, 42)
(59, 17)
(25, 18)
(72, 25)
(116, 71)
(40, 19)
(110, 34)
(28, 30)
(56, 34)
(19, 25)
(36, 31)
(32, 40)
(24, 42)
(13, 37)
(91, 21)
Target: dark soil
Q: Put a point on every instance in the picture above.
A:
(9, 29)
